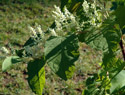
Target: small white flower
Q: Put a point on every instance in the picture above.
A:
(4, 49)
(82, 24)
(57, 9)
(85, 6)
(93, 21)
(96, 13)
(58, 25)
(93, 6)
(53, 33)
(73, 19)
(40, 31)
(107, 14)
(99, 25)
(57, 14)
(99, 17)
(33, 31)
(67, 13)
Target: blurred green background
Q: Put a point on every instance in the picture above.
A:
(15, 17)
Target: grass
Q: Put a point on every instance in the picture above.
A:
(14, 20)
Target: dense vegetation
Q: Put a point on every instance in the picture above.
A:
(24, 1)
(98, 24)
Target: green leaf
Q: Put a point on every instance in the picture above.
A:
(96, 40)
(20, 52)
(36, 75)
(118, 82)
(61, 53)
(93, 85)
(72, 5)
(120, 14)
(113, 34)
(9, 61)
(29, 42)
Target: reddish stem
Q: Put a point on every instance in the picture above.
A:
(122, 48)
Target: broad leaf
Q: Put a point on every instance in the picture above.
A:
(120, 14)
(113, 37)
(9, 61)
(61, 53)
(118, 82)
(96, 40)
(29, 42)
(36, 75)
(20, 52)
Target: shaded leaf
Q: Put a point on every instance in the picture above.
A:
(96, 40)
(20, 52)
(29, 42)
(61, 53)
(120, 14)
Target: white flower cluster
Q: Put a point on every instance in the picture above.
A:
(52, 31)
(65, 20)
(4, 50)
(36, 31)
(85, 6)
(92, 13)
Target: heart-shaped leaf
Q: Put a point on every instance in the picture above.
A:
(61, 53)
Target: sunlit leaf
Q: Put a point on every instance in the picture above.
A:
(118, 82)
(9, 61)
(36, 76)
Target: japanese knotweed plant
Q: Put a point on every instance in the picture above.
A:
(77, 21)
